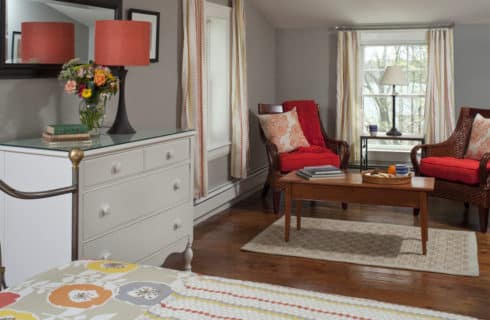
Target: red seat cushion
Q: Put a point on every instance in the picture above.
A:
(309, 119)
(307, 156)
(451, 169)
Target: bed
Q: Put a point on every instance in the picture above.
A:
(103, 290)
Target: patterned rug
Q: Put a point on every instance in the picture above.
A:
(200, 297)
(113, 290)
(374, 244)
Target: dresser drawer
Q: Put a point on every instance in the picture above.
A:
(113, 167)
(167, 153)
(140, 240)
(112, 206)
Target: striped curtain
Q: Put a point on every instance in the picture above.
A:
(439, 97)
(349, 109)
(193, 87)
(239, 94)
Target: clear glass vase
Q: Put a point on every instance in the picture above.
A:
(92, 115)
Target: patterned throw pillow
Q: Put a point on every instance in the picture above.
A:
(480, 138)
(284, 130)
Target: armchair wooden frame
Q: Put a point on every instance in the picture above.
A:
(341, 148)
(455, 146)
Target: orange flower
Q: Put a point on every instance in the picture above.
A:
(100, 78)
(81, 296)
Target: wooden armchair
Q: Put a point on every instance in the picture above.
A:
(3, 285)
(465, 180)
(276, 170)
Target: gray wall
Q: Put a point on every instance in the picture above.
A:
(152, 96)
(306, 69)
(27, 106)
(471, 65)
(261, 55)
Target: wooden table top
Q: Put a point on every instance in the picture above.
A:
(355, 180)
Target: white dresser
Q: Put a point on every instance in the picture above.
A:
(135, 201)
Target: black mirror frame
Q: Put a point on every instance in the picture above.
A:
(26, 71)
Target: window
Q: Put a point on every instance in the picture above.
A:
(218, 55)
(406, 49)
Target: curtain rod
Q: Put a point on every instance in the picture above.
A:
(393, 27)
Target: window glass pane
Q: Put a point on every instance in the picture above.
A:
(417, 82)
(218, 73)
(372, 84)
(377, 110)
(377, 98)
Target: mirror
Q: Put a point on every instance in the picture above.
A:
(40, 35)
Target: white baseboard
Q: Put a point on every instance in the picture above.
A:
(227, 195)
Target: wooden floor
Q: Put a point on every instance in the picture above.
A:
(218, 241)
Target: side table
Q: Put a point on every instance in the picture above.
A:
(382, 136)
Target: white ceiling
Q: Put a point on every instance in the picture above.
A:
(310, 13)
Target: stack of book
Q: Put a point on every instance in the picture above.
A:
(66, 132)
(320, 172)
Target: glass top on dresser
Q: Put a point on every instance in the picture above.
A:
(97, 142)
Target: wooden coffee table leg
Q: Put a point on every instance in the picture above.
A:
(424, 221)
(287, 214)
(299, 204)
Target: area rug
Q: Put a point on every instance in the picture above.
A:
(373, 244)
(113, 290)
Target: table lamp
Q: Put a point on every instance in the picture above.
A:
(47, 42)
(394, 76)
(121, 43)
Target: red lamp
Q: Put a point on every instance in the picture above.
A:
(47, 42)
(122, 43)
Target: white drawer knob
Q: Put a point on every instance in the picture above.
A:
(177, 185)
(177, 224)
(116, 168)
(105, 211)
(169, 155)
(106, 256)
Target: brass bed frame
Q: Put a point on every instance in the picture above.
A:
(76, 156)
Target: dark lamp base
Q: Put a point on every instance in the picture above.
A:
(121, 123)
(394, 132)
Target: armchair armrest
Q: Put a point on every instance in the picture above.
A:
(413, 158)
(443, 149)
(483, 172)
(341, 148)
(272, 155)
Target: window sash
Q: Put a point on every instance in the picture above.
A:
(418, 87)
(218, 140)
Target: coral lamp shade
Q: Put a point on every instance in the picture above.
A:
(47, 42)
(122, 43)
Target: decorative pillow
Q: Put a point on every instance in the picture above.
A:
(283, 130)
(309, 120)
(480, 138)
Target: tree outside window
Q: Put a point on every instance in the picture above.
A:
(377, 99)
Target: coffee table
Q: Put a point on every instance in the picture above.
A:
(351, 189)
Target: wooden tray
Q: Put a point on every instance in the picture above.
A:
(393, 180)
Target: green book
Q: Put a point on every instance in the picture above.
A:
(58, 129)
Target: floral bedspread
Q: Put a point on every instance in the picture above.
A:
(103, 290)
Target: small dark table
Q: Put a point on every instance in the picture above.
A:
(382, 136)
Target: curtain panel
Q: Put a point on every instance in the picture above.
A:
(349, 109)
(239, 94)
(194, 87)
(439, 99)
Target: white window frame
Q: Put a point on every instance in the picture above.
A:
(215, 10)
(389, 38)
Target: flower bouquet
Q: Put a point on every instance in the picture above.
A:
(94, 85)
